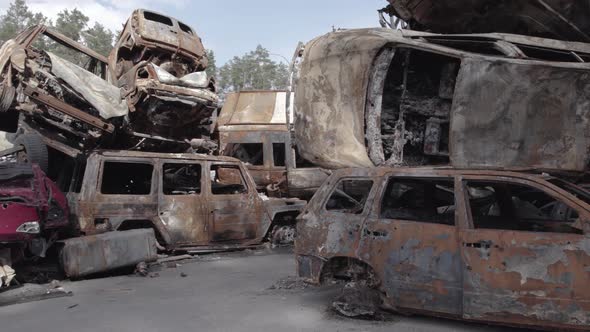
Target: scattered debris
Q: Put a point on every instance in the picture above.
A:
(141, 269)
(73, 306)
(7, 274)
(30, 293)
(184, 275)
(290, 283)
(357, 301)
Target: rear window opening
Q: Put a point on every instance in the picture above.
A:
(157, 18)
(185, 28)
(126, 178)
(421, 200)
(250, 153)
(416, 95)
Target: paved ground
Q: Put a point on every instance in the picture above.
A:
(231, 292)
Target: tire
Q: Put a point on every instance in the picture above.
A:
(35, 150)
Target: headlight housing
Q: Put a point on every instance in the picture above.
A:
(29, 227)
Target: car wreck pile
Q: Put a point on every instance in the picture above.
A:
(119, 135)
(458, 151)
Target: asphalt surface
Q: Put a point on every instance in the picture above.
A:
(246, 291)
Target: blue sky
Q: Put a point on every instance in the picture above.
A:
(234, 27)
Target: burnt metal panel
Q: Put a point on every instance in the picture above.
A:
(511, 115)
(98, 253)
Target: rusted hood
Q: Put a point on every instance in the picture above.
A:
(560, 19)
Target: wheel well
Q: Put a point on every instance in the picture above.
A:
(139, 224)
(345, 269)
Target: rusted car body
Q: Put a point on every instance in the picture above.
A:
(190, 200)
(400, 97)
(159, 64)
(253, 127)
(493, 246)
(559, 19)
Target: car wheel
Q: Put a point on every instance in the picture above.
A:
(35, 151)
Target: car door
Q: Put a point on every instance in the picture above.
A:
(235, 212)
(182, 204)
(125, 191)
(412, 241)
(341, 215)
(523, 263)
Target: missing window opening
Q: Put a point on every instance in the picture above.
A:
(350, 196)
(126, 178)
(181, 179)
(423, 200)
(157, 18)
(227, 180)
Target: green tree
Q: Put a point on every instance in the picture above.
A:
(71, 23)
(253, 71)
(99, 38)
(17, 18)
(211, 66)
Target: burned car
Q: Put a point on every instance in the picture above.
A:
(253, 126)
(482, 245)
(70, 107)
(193, 202)
(33, 212)
(159, 63)
(399, 97)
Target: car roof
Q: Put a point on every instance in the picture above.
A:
(159, 155)
(428, 171)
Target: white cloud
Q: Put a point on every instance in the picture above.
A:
(110, 13)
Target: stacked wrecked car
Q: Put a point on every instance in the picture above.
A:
(119, 136)
(151, 93)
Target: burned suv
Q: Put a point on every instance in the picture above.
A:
(494, 246)
(193, 202)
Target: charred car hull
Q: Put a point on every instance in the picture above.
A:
(499, 247)
(386, 97)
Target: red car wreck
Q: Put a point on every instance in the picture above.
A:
(32, 212)
(490, 246)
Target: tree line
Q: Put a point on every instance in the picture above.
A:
(254, 70)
